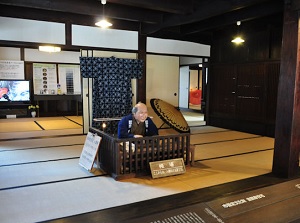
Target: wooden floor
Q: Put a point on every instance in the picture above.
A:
(41, 180)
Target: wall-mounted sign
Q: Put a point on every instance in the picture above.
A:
(44, 78)
(12, 70)
(69, 78)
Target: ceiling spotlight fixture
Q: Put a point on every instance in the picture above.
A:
(103, 23)
(238, 39)
(50, 49)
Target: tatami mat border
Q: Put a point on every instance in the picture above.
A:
(229, 140)
(53, 182)
(73, 121)
(40, 147)
(39, 137)
(40, 161)
(236, 154)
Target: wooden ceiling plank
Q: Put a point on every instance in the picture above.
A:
(169, 6)
(245, 14)
(210, 9)
(91, 8)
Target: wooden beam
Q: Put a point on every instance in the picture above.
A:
(141, 83)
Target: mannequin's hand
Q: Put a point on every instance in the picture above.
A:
(138, 136)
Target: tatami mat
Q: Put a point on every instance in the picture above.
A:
(206, 129)
(232, 168)
(77, 119)
(31, 134)
(72, 198)
(42, 142)
(219, 136)
(232, 147)
(194, 130)
(38, 155)
(40, 178)
(40, 123)
(213, 172)
(58, 124)
(43, 172)
(21, 126)
(99, 193)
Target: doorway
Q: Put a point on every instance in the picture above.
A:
(191, 84)
(195, 88)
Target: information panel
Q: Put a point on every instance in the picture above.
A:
(11, 70)
(89, 151)
(69, 78)
(199, 213)
(167, 167)
(44, 78)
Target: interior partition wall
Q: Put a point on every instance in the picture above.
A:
(244, 96)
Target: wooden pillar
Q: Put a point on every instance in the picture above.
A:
(141, 83)
(68, 31)
(287, 131)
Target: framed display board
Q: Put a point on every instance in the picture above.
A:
(44, 78)
(12, 70)
(69, 78)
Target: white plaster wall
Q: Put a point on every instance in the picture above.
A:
(60, 57)
(167, 46)
(162, 78)
(25, 30)
(107, 38)
(10, 53)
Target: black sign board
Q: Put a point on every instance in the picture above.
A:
(196, 213)
(276, 203)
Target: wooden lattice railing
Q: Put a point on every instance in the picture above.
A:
(124, 158)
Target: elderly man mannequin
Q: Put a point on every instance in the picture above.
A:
(137, 124)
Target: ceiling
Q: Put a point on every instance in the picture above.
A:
(190, 20)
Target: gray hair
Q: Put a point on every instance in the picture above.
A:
(134, 110)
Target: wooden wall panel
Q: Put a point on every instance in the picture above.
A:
(258, 46)
(223, 90)
(247, 103)
(272, 71)
(243, 96)
(250, 91)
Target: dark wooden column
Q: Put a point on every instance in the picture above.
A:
(287, 131)
(68, 31)
(141, 83)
